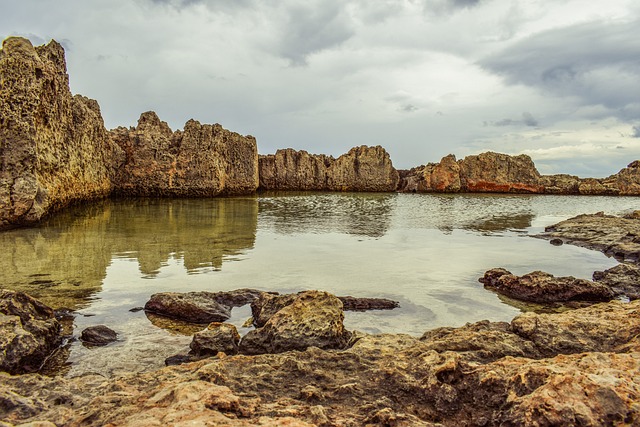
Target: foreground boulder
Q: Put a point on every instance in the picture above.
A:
(313, 318)
(588, 375)
(29, 332)
(361, 169)
(614, 236)
(54, 146)
(542, 287)
(200, 161)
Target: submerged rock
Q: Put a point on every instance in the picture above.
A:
(29, 332)
(195, 307)
(98, 335)
(542, 287)
(350, 303)
(313, 319)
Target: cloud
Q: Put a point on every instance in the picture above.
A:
(596, 63)
(527, 120)
(636, 132)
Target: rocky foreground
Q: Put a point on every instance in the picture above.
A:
(55, 150)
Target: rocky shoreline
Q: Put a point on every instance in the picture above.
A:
(56, 151)
(300, 367)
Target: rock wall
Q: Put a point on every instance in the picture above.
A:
(361, 169)
(54, 147)
(200, 161)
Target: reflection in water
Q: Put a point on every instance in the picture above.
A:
(64, 261)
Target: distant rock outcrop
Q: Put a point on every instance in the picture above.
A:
(202, 160)
(54, 146)
(361, 169)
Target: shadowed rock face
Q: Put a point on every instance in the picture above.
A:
(54, 148)
(361, 169)
(203, 160)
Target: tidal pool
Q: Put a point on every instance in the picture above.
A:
(425, 251)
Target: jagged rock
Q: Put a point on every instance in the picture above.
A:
(560, 184)
(313, 319)
(612, 235)
(623, 279)
(55, 149)
(499, 173)
(218, 337)
(29, 332)
(542, 287)
(594, 187)
(361, 169)
(289, 169)
(202, 160)
(98, 335)
(627, 181)
(195, 307)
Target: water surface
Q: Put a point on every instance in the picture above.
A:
(426, 251)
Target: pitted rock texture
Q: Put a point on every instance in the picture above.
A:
(623, 279)
(218, 337)
(54, 148)
(200, 161)
(361, 169)
(29, 332)
(627, 181)
(542, 287)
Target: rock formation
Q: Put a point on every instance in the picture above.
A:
(54, 148)
(361, 169)
(623, 279)
(200, 161)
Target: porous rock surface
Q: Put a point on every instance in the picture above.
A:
(54, 148)
(199, 161)
(363, 168)
(623, 279)
(615, 236)
(579, 367)
(542, 287)
(218, 337)
(29, 332)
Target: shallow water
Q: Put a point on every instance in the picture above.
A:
(426, 251)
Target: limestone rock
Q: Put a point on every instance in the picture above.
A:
(560, 184)
(202, 160)
(218, 337)
(627, 181)
(265, 306)
(195, 307)
(499, 173)
(595, 187)
(313, 319)
(542, 287)
(623, 279)
(54, 147)
(98, 335)
(361, 169)
(615, 236)
(29, 332)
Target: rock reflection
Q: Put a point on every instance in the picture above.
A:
(361, 214)
(64, 261)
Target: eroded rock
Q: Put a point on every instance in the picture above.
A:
(623, 279)
(29, 332)
(542, 287)
(195, 307)
(218, 337)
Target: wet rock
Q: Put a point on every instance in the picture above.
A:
(195, 307)
(218, 337)
(179, 359)
(615, 236)
(542, 287)
(556, 242)
(361, 169)
(623, 279)
(313, 319)
(29, 332)
(55, 148)
(350, 303)
(160, 162)
(98, 335)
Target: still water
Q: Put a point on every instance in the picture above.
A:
(425, 251)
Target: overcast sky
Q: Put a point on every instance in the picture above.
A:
(558, 80)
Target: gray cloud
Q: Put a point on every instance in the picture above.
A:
(597, 63)
(527, 120)
(636, 132)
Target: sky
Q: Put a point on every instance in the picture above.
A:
(558, 80)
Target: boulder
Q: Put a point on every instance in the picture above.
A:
(55, 149)
(499, 173)
(99, 335)
(200, 161)
(615, 236)
(195, 307)
(542, 287)
(314, 318)
(218, 337)
(29, 332)
(623, 279)
(361, 169)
